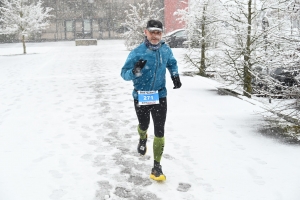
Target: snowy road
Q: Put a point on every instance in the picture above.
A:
(68, 131)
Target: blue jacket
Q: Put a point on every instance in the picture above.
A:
(154, 73)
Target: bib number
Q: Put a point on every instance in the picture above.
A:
(148, 97)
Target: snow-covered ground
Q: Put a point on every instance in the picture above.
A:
(68, 131)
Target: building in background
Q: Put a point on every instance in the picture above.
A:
(98, 19)
(73, 19)
(171, 6)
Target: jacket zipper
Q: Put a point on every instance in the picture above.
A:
(157, 63)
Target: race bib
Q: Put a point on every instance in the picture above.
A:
(148, 97)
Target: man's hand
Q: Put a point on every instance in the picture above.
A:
(176, 82)
(138, 67)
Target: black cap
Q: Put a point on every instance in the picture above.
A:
(154, 25)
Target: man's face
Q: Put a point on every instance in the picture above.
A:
(154, 37)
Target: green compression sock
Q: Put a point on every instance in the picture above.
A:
(158, 148)
(143, 134)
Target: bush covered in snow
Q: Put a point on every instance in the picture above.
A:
(136, 20)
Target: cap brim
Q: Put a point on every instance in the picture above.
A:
(154, 29)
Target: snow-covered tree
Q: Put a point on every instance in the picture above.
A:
(136, 20)
(255, 38)
(294, 11)
(282, 54)
(239, 46)
(202, 19)
(18, 17)
(262, 44)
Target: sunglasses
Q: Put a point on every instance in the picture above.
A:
(155, 32)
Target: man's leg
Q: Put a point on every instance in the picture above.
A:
(143, 115)
(159, 114)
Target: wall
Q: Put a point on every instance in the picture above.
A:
(170, 20)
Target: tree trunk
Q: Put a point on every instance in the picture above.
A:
(24, 46)
(202, 56)
(247, 63)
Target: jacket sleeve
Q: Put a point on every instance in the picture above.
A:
(126, 71)
(172, 65)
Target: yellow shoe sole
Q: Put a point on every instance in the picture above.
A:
(160, 178)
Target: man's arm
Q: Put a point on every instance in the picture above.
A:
(172, 65)
(126, 71)
(173, 69)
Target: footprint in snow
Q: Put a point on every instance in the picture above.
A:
(57, 194)
(123, 192)
(184, 187)
(104, 190)
(138, 180)
(167, 156)
(87, 156)
(234, 133)
(55, 174)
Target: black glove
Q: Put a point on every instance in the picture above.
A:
(176, 82)
(139, 66)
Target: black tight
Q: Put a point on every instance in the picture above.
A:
(158, 113)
